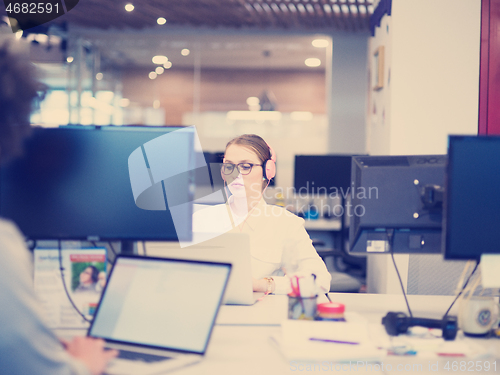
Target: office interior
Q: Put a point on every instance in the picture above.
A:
(312, 78)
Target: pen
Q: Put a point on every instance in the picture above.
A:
(334, 341)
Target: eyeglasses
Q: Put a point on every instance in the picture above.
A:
(243, 168)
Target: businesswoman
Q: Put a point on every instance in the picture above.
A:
(279, 243)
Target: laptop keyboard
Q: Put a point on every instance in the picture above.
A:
(134, 356)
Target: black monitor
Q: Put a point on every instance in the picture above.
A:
(472, 203)
(396, 200)
(322, 174)
(102, 183)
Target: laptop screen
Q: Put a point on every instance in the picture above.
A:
(162, 303)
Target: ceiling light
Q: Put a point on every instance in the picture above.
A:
(70, 59)
(159, 59)
(129, 7)
(362, 9)
(167, 65)
(345, 9)
(161, 21)
(301, 116)
(320, 43)
(152, 75)
(99, 76)
(253, 100)
(185, 52)
(354, 9)
(312, 62)
(159, 70)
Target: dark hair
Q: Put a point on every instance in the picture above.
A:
(19, 91)
(95, 273)
(255, 144)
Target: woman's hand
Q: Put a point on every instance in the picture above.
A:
(91, 352)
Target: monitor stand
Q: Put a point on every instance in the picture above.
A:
(127, 248)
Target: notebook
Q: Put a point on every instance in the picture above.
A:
(158, 312)
(231, 248)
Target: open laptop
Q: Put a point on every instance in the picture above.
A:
(158, 312)
(231, 248)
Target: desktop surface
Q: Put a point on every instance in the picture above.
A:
(248, 349)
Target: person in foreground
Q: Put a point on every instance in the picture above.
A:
(279, 243)
(27, 345)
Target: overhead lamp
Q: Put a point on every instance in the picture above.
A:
(185, 52)
(320, 43)
(159, 70)
(312, 62)
(167, 65)
(129, 7)
(159, 59)
(152, 75)
(161, 21)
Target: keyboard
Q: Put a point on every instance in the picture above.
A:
(135, 356)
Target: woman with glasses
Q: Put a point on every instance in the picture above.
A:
(279, 243)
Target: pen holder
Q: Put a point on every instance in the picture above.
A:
(302, 308)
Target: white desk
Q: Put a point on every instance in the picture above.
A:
(237, 349)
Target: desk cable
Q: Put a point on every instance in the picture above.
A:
(462, 290)
(390, 240)
(61, 268)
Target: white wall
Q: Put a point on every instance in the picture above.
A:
(432, 59)
(347, 84)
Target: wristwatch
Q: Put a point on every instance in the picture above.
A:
(270, 281)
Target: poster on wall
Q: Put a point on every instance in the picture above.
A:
(84, 272)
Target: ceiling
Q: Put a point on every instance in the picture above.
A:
(258, 34)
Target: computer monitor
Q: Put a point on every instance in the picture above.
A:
(471, 224)
(102, 183)
(322, 174)
(396, 202)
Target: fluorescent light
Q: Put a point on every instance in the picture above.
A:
(301, 116)
(254, 115)
(159, 59)
(185, 52)
(129, 7)
(312, 62)
(253, 100)
(320, 43)
(161, 21)
(152, 75)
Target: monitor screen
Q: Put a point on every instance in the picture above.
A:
(322, 174)
(397, 195)
(102, 183)
(472, 203)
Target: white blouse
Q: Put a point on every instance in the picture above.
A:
(279, 243)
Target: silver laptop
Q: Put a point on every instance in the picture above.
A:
(231, 248)
(159, 312)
